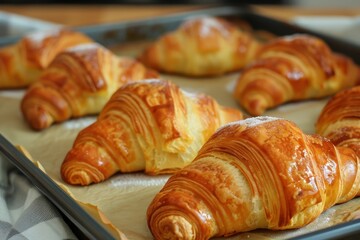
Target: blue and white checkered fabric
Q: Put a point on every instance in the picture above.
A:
(24, 212)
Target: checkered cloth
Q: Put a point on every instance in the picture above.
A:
(24, 212)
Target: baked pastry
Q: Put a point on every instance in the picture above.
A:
(256, 173)
(339, 120)
(22, 63)
(150, 126)
(78, 82)
(293, 68)
(205, 46)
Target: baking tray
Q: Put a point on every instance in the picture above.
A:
(343, 27)
(83, 224)
(115, 34)
(150, 29)
(13, 26)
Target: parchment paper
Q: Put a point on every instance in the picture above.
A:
(124, 198)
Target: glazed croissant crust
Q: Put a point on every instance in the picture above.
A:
(78, 82)
(256, 173)
(293, 68)
(339, 120)
(22, 63)
(149, 125)
(204, 46)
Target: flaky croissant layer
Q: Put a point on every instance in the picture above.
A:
(339, 120)
(150, 126)
(203, 46)
(78, 82)
(293, 68)
(22, 63)
(256, 173)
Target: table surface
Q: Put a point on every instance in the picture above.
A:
(78, 15)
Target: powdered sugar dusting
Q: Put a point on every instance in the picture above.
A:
(250, 122)
(85, 47)
(37, 38)
(208, 23)
(189, 93)
(254, 121)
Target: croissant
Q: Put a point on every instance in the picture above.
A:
(260, 172)
(78, 82)
(293, 68)
(206, 46)
(339, 120)
(22, 63)
(150, 126)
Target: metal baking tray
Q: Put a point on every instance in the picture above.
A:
(13, 26)
(149, 29)
(83, 224)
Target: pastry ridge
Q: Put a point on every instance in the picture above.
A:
(150, 126)
(293, 68)
(199, 47)
(339, 119)
(22, 63)
(78, 82)
(255, 173)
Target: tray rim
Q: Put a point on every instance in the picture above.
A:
(53, 192)
(336, 44)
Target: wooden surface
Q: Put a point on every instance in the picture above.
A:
(77, 15)
(288, 12)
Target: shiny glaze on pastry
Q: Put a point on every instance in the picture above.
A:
(78, 82)
(22, 63)
(205, 46)
(150, 126)
(339, 120)
(256, 173)
(293, 68)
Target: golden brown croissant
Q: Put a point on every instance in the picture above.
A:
(204, 46)
(293, 68)
(339, 120)
(22, 63)
(256, 173)
(78, 82)
(149, 125)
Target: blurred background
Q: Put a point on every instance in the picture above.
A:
(303, 3)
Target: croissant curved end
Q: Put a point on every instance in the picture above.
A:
(80, 174)
(175, 227)
(256, 105)
(38, 118)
